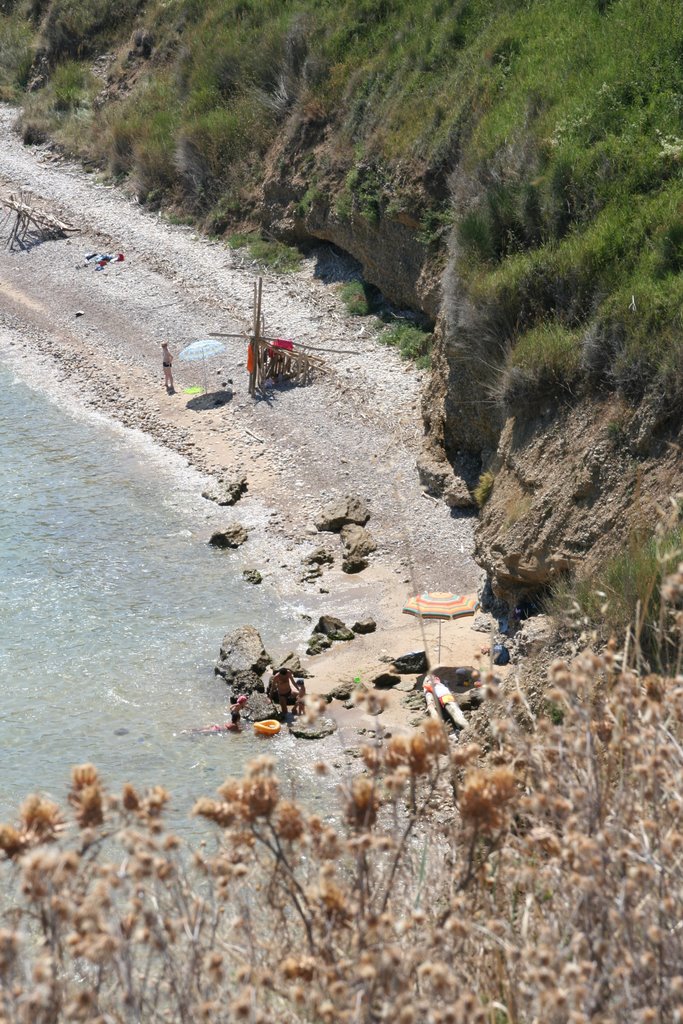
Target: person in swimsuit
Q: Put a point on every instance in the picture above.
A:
(234, 725)
(167, 363)
(300, 703)
(235, 716)
(282, 686)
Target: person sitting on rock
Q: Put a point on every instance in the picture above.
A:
(282, 689)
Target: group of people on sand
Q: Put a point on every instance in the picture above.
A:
(283, 689)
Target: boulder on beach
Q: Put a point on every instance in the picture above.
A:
(342, 691)
(358, 544)
(317, 643)
(227, 490)
(410, 664)
(337, 513)
(242, 651)
(319, 556)
(247, 682)
(334, 628)
(293, 663)
(363, 626)
(259, 707)
(232, 536)
(312, 730)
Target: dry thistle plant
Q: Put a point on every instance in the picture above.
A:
(534, 876)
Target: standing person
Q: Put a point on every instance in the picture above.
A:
(167, 363)
(282, 686)
(300, 702)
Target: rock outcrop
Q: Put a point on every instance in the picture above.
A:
(333, 628)
(241, 651)
(227, 490)
(566, 494)
(259, 707)
(358, 544)
(364, 626)
(410, 664)
(342, 511)
(232, 536)
(315, 730)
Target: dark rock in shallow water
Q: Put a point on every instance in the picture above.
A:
(227, 491)
(247, 682)
(333, 628)
(242, 651)
(252, 576)
(363, 626)
(232, 536)
(410, 664)
(259, 707)
(312, 730)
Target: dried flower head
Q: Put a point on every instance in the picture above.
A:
(485, 797)
(362, 803)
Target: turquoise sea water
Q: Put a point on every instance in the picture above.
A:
(112, 609)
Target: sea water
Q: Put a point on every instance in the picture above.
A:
(112, 610)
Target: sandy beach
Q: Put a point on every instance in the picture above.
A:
(94, 338)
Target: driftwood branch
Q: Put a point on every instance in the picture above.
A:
(27, 219)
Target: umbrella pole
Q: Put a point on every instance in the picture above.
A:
(439, 655)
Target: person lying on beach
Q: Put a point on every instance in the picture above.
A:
(282, 688)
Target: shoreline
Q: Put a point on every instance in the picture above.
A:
(356, 429)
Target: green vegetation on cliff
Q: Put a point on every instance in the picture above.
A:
(550, 136)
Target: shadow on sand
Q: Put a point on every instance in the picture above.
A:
(210, 400)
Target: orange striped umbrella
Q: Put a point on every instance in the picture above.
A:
(440, 605)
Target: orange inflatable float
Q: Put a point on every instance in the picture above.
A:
(270, 727)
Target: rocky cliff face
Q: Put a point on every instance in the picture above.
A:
(301, 203)
(573, 481)
(571, 487)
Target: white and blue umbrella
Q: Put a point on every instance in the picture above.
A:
(200, 351)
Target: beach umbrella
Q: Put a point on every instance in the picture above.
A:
(440, 605)
(200, 351)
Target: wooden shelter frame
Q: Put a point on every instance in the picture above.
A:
(266, 360)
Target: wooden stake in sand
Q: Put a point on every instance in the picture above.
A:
(30, 223)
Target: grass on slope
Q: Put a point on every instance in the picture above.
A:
(563, 123)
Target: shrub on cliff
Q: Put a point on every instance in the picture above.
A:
(75, 28)
(16, 55)
(627, 596)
